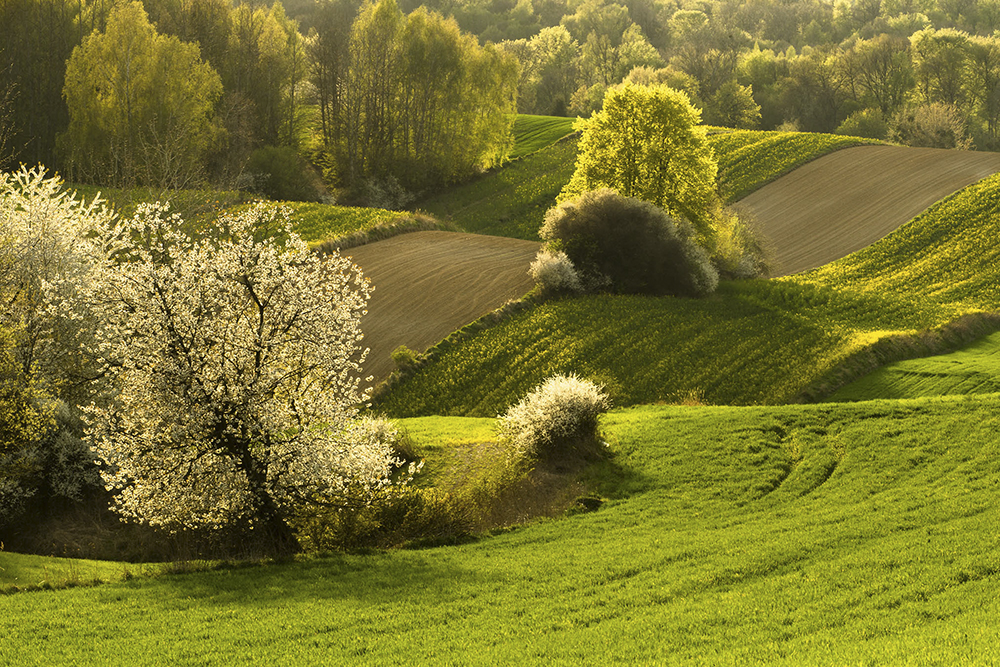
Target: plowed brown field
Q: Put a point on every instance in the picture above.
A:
(849, 199)
(429, 284)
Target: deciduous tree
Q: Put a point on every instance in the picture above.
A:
(140, 104)
(236, 362)
(647, 143)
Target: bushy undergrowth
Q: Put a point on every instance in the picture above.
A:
(629, 246)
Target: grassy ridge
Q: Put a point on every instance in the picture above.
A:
(533, 133)
(319, 222)
(752, 342)
(971, 370)
(511, 201)
(19, 572)
(834, 534)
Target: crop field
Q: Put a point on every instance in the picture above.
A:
(422, 287)
(826, 535)
(849, 199)
(750, 159)
(752, 342)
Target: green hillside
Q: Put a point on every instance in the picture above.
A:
(533, 133)
(751, 342)
(825, 535)
(972, 370)
(512, 201)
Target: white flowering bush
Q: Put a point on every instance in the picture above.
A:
(44, 253)
(556, 418)
(236, 363)
(553, 271)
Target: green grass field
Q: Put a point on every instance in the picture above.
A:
(823, 535)
(972, 370)
(751, 342)
(533, 133)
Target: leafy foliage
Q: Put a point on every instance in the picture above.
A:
(417, 100)
(140, 105)
(646, 143)
(628, 245)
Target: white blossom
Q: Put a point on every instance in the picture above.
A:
(236, 361)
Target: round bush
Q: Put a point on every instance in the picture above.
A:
(557, 418)
(554, 272)
(630, 246)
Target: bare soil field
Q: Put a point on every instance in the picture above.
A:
(849, 199)
(429, 284)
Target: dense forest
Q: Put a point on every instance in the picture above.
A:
(385, 99)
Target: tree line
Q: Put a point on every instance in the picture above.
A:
(174, 92)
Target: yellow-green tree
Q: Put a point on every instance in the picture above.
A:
(647, 143)
(140, 105)
(410, 98)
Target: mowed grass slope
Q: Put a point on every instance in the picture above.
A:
(822, 535)
(533, 133)
(752, 342)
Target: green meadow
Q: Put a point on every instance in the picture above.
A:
(974, 369)
(737, 525)
(828, 534)
(533, 133)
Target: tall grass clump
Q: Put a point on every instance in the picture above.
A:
(556, 420)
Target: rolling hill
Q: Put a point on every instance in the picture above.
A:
(847, 200)
(428, 284)
(793, 535)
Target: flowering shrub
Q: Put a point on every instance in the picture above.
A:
(557, 417)
(553, 271)
(236, 363)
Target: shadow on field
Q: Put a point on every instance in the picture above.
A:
(370, 579)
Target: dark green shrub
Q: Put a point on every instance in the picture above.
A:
(280, 174)
(629, 246)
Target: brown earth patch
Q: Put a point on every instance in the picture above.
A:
(849, 199)
(429, 284)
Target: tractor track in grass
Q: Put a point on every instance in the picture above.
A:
(429, 284)
(847, 200)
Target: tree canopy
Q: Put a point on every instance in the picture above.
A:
(646, 143)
